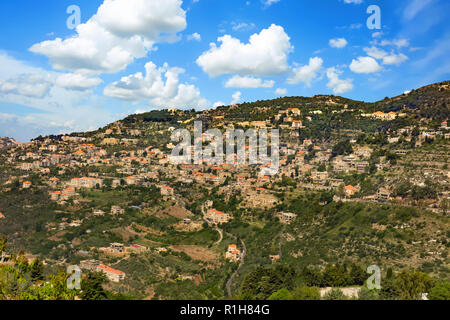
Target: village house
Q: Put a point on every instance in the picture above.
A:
(319, 177)
(86, 182)
(135, 248)
(384, 116)
(116, 210)
(90, 265)
(214, 216)
(259, 124)
(117, 247)
(132, 180)
(294, 111)
(350, 190)
(54, 196)
(339, 165)
(274, 258)
(53, 181)
(98, 213)
(307, 143)
(363, 152)
(297, 124)
(233, 254)
(27, 166)
(383, 194)
(361, 166)
(260, 199)
(160, 249)
(2, 216)
(167, 191)
(287, 217)
(26, 185)
(112, 274)
(69, 191)
(110, 141)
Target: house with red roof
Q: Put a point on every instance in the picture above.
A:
(214, 216)
(112, 274)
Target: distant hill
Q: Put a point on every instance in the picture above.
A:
(6, 143)
(431, 101)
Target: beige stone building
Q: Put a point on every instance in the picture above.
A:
(214, 216)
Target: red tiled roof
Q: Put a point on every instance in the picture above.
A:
(109, 269)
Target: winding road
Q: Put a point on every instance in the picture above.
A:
(230, 281)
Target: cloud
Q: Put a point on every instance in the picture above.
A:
(395, 59)
(158, 91)
(307, 73)
(388, 59)
(219, 104)
(338, 86)
(338, 43)
(51, 109)
(265, 55)
(375, 52)
(414, 7)
(236, 97)
(399, 43)
(74, 81)
(281, 91)
(268, 3)
(248, 83)
(120, 31)
(365, 65)
(242, 26)
(28, 85)
(194, 37)
(353, 1)
(377, 34)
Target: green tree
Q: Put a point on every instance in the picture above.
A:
(335, 294)
(342, 148)
(92, 287)
(411, 285)
(282, 294)
(37, 270)
(366, 294)
(3, 242)
(306, 293)
(441, 291)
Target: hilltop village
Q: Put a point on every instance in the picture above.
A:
(112, 201)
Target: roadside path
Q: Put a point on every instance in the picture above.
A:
(230, 281)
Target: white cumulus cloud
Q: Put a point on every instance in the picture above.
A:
(265, 54)
(236, 97)
(119, 32)
(365, 65)
(395, 59)
(375, 52)
(338, 85)
(160, 86)
(248, 83)
(28, 85)
(194, 37)
(74, 81)
(307, 73)
(268, 3)
(281, 91)
(338, 43)
(388, 59)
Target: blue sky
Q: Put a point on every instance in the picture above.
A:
(130, 56)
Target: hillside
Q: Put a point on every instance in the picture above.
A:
(359, 184)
